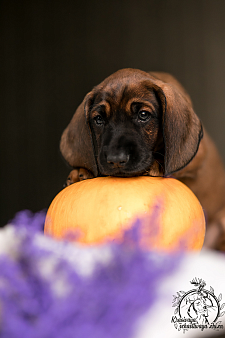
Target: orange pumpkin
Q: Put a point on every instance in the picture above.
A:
(101, 208)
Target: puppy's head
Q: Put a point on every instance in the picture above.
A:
(125, 120)
(131, 124)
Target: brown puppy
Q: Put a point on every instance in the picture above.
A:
(139, 123)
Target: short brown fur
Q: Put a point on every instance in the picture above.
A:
(174, 131)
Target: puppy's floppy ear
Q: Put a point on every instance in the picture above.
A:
(182, 129)
(76, 143)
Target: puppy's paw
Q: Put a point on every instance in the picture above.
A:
(77, 175)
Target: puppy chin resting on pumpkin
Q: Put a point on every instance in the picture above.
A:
(143, 123)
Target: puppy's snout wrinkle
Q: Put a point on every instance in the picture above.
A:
(118, 160)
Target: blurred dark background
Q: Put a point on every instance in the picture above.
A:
(53, 53)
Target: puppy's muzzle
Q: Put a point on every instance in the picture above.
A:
(118, 160)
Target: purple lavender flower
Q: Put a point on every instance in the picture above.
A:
(105, 304)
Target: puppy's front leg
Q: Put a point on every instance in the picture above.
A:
(215, 234)
(77, 175)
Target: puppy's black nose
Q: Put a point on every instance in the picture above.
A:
(119, 160)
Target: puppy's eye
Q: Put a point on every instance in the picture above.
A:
(99, 120)
(144, 115)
